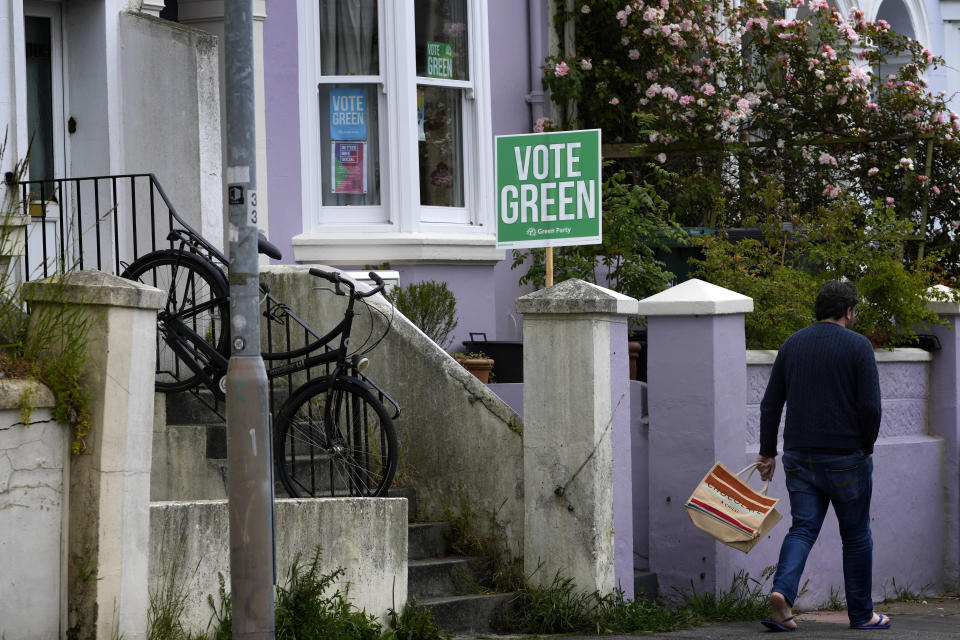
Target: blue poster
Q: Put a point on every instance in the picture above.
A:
(348, 114)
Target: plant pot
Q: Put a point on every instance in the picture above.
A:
(508, 355)
(478, 367)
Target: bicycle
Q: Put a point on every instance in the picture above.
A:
(332, 436)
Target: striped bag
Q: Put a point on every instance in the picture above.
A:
(727, 508)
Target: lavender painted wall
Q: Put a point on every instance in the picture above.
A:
(640, 450)
(282, 104)
(696, 388)
(621, 397)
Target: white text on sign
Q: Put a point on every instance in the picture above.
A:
(347, 109)
(532, 202)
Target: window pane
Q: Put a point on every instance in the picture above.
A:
(348, 38)
(442, 39)
(39, 98)
(440, 126)
(349, 144)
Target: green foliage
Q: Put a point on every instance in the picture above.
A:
(168, 598)
(416, 622)
(799, 252)
(429, 305)
(54, 350)
(305, 611)
(560, 608)
(496, 569)
(636, 222)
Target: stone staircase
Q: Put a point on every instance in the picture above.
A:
(190, 451)
(435, 579)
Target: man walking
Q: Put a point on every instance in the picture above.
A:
(827, 375)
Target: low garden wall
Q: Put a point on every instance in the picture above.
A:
(908, 488)
(366, 537)
(32, 459)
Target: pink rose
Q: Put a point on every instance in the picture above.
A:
(561, 69)
(614, 101)
(633, 54)
(585, 9)
(661, 158)
(889, 200)
(872, 171)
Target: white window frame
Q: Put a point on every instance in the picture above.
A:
(400, 228)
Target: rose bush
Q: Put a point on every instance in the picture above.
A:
(779, 111)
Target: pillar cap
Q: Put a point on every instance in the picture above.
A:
(577, 296)
(95, 288)
(948, 303)
(695, 298)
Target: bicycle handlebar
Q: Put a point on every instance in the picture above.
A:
(267, 248)
(337, 279)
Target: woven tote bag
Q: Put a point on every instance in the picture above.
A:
(725, 506)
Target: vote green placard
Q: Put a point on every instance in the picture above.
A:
(548, 189)
(439, 60)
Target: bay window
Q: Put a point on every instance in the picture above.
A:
(396, 149)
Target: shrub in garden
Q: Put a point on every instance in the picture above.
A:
(429, 305)
(777, 112)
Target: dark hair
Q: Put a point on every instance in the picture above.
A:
(834, 299)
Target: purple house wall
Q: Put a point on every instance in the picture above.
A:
(485, 293)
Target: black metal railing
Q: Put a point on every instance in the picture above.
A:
(97, 222)
(107, 222)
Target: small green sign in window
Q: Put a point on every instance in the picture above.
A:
(439, 60)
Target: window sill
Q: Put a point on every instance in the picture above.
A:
(396, 248)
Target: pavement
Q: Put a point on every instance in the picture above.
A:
(930, 619)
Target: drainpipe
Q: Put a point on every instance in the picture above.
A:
(536, 96)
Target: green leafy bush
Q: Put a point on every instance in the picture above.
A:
(784, 271)
(429, 305)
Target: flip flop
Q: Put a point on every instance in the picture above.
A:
(775, 625)
(882, 623)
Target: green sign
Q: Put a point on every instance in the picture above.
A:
(439, 60)
(548, 189)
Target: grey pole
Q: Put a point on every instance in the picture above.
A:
(249, 459)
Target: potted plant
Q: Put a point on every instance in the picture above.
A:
(477, 363)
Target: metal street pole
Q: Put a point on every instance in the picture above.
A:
(249, 459)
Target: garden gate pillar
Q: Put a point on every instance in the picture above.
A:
(108, 499)
(696, 402)
(576, 436)
(944, 421)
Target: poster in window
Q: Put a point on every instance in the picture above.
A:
(349, 168)
(440, 60)
(348, 114)
(421, 116)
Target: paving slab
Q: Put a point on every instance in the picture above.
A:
(930, 619)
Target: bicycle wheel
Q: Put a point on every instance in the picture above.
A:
(354, 455)
(197, 297)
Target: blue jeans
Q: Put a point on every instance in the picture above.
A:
(814, 481)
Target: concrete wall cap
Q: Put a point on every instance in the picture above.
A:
(949, 306)
(14, 390)
(695, 298)
(95, 288)
(576, 296)
(903, 354)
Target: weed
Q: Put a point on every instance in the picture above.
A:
(899, 593)
(560, 608)
(168, 598)
(835, 602)
(304, 611)
(746, 599)
(495, 569)
(415, 623)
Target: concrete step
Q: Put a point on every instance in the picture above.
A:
(410, 495)
(186, 408)
(426, 540)
(645, 584)
(434, 577)
(474, 613)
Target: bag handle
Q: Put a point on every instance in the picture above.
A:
(753, 466)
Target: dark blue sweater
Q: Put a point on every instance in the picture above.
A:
(827, 375)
